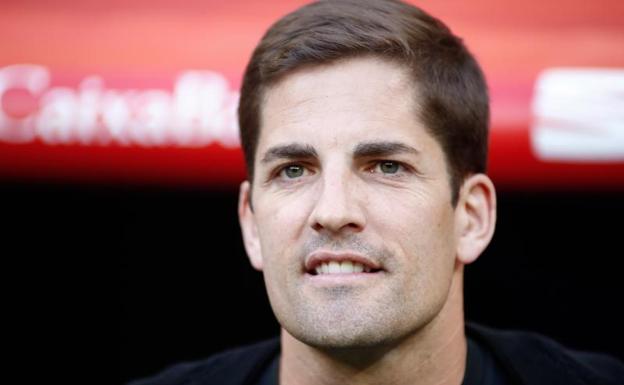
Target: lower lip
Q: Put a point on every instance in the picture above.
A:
(343, 278)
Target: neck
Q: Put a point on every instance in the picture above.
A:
(435, 354)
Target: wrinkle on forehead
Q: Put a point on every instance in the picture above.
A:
(308, 89)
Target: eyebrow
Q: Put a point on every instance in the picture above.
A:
(374, 149)
(289, 151)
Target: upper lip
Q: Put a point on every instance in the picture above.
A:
(319, 257)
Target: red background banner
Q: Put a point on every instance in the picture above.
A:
(130, 59)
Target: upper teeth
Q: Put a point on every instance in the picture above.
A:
(344, 267)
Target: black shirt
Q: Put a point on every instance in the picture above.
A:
(494, 357)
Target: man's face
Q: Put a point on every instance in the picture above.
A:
(352, 222)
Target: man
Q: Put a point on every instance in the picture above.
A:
(364, 126)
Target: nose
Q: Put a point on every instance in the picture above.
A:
(338, 207)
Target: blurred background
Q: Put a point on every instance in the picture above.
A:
(119, 169)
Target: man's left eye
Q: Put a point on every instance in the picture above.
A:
(389, 167)
(293, 171)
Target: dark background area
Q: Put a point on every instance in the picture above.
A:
(160, 275)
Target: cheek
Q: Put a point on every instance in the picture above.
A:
(413, 210)
(280, 223)
(421, 227)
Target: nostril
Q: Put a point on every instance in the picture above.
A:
(351, 226)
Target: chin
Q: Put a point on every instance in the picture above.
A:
(352, 330)
(337, 334)
(346, 341)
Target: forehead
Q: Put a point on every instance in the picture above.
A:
(350, 100)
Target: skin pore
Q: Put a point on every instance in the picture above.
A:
(346, 177)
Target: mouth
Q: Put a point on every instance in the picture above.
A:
(323, 263)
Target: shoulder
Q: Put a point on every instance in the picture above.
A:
(236, 366)
(533, 358)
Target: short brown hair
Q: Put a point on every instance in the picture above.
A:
(453, 98)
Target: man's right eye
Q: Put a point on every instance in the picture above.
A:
(293, 171)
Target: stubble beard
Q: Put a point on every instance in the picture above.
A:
(343, 322)
(350, 317)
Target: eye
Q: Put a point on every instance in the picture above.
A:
(389, 167)
(293, 171)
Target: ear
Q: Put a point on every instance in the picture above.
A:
(476, 217)
(248, 226)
